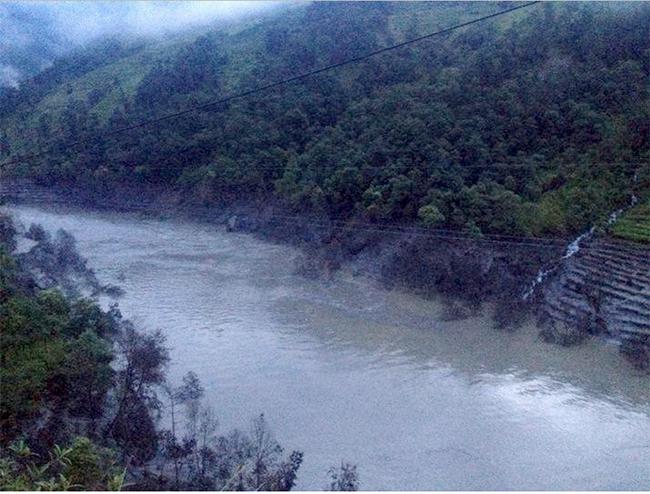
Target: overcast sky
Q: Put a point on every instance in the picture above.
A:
(86, 20)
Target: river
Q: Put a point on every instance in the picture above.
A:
(345, 370)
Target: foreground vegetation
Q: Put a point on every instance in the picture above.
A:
(535, 123)
(81, 390)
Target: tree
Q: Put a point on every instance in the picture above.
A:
(190, 394)
(430, 215)
(142, 358)
(237, 461)
(88, 373)
(344, 478)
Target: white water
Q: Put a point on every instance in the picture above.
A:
(574, 247)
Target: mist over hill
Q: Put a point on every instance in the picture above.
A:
(34, 34)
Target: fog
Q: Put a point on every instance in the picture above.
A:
(83, 21)
(32, 34)
(9, 76)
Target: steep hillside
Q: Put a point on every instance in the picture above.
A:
(35, 34)
(532, 123)
(635, 224)
(603, 289)
(28, 43)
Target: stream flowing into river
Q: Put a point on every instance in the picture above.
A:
(574, 247)
(345, 370)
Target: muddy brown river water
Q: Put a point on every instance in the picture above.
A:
(345, 370)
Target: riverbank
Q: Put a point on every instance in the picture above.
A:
(473, 269)
(469, 272)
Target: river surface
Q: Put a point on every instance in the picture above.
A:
(345, 370)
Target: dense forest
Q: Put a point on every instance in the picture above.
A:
(83, 391)
(534, 123)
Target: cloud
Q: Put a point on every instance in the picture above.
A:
(32, 34)
(9, 76)
(83, 21)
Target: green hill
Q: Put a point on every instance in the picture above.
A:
(634, 224)
(531, 123)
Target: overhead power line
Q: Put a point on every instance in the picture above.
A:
(442, 166)
(536, 242)
(463, 236)
(211, 104)
(353, 224)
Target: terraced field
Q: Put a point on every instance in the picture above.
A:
(607, 283)
(634, 225)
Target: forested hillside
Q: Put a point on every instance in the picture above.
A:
(532, 123)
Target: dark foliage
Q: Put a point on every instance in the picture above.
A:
(557, 93)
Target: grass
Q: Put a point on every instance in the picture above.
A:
(634, 225)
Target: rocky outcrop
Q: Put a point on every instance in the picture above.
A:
(603, 289)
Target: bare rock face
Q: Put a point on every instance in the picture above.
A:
(604, 288)
(562, 333)
(639, 355)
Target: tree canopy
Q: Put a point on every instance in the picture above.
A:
(533, 123)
